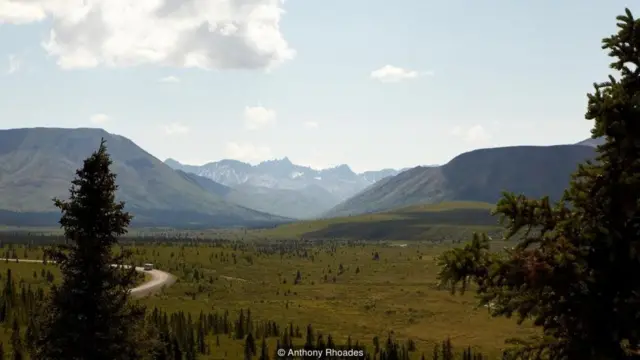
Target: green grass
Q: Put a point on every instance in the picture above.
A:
(30, 273)
(419, 222)
(444, 221)
(396, 293)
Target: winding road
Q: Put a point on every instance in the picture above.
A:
(158, 280)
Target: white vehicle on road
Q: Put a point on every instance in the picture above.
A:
(147, 267)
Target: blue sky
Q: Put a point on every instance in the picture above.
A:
(369, 83)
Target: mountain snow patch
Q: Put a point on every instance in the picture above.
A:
(296, 174)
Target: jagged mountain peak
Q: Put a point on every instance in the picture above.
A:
(342, 169)
(341, 180)
(283, 163)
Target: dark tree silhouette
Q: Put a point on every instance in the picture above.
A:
(575, 273)
(89, 315)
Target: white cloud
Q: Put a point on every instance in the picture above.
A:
(169, 79)
(99, 118)
(475, 134)
(311, 124)
(175, 129)
(247, 152)
(210, 34)
(256, 117)
(14, 64)
(21, 12)
(389, 73)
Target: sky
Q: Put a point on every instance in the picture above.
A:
(370, 83)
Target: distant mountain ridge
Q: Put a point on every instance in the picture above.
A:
(592, 142)
(340, 180)
(37, 164)
(283, 202)
(283, 188)
(478, 175)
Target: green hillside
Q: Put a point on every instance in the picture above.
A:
(479, 175)
(418, 222)
(37, 164)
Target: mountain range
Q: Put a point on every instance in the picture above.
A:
(37, 164)
(283, 188)
(479, 175)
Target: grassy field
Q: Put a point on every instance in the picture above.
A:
(434, 221)
(386, 285)
(344, 290)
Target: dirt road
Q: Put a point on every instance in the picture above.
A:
(159, 279)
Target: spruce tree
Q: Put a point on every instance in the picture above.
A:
(309, 345)
(264, 350)
(574, 272)
(16, 341)
(320, 342)
(330, 343)
(249, 347)
(89, 315)
(240, 326)
(376, 345)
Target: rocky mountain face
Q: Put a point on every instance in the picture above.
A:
(296, 204)
(338, 182)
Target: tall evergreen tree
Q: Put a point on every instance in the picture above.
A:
(249, 347)
(573, 274)
(89, 315)
(264, 350)
(309, 345)
(16, 341)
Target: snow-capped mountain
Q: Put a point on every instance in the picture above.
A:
(339, 181)
(226, 172)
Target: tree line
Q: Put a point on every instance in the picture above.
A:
(179, 336)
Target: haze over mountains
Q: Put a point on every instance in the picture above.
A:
(37, 164)
(283, 188)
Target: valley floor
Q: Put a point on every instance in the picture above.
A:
(356, 290)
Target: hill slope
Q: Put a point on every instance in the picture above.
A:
(37, 164)
(592, 142)
(479, 175)
(434, 222)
